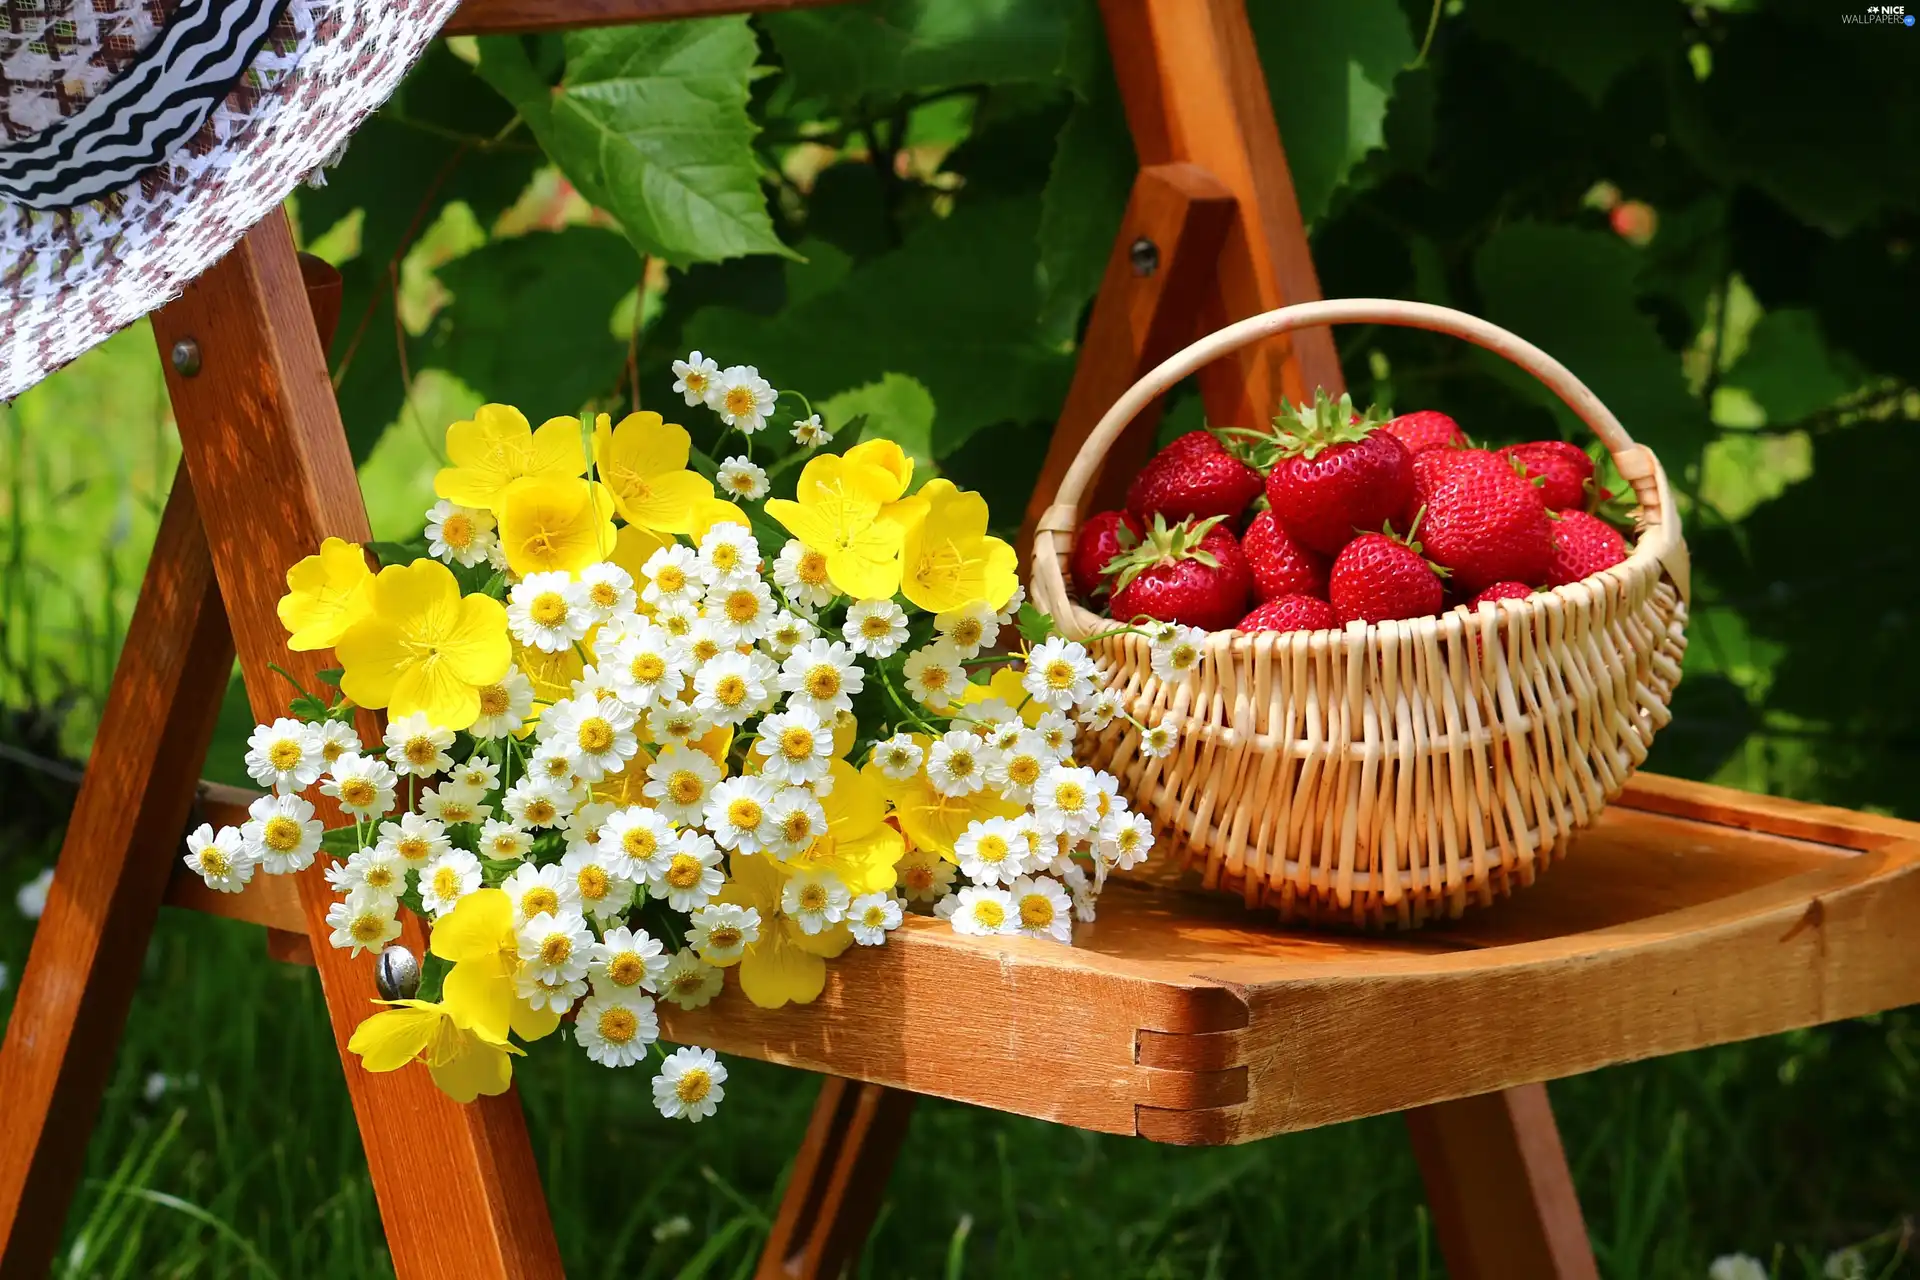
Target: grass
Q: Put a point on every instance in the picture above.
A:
(226, 1146)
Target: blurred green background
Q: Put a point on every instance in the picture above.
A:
(1708, 211)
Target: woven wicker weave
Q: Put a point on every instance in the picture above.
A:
(1393, 771)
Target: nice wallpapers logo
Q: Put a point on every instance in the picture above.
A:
(1880, 15)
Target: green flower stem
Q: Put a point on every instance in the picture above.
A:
(900, 702)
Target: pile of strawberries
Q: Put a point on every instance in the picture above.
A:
(1364, 518)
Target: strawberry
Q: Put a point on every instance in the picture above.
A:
(1499, 591)
(1563, 472)
(1191, 479)
(1191, 572)
(1291, 613)
(1105, 535)
(1281, 566)
(1583, 545)
(1480, 519)
(1333, 476)
(1427, 429)
(1377, 577)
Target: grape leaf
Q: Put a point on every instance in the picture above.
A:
(896, 408)
(1084, 200)
(848, 52)
(650, 122)
(1789, 369)
(1588, 43)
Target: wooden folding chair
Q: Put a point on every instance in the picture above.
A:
(1690, 916)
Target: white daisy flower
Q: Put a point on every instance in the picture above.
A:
(722, 932)
(701, 644)
(1042, 909)
(935, 676)
(1100, 709)
(373, 871)
(477, 773)
(504, 706)
(219, 858)
(459, 535)
(362, 784)
(1059, 673)
(970, 628)
(609, 591)
(497, 558)
(548, 611)
(898, 757)
(691, 874)
(637, 841)
(553, 763)
(615, 1029)
(451, 803)
(418, 748)
(556, 995)
(646, 665)
(414, 839)
(822, 676)
(741, 610)
(556, 948)
(742, 398)
(627, 960)
(334, 738)
(1158, 742)
(787, 632)
(810, 433)
(989, 851)
(1057, 732)
(738, 478)
(689, 1085)
(677, 617)
(694, 377)
(584, 824)
(795, 820)
(1066, 800)
(282, 834)
(1011, 609)
(603, 894)
(925, 876)
(737, 816)
(802, 574)
(726, 690)
(364, 922)
(1736, 1266)
(983, 911)
(1085, 900)
(1175, 653)
(285, 755)
(596, 734)
(447, 879)
(1125, 839)
(875, 628)
(872, 916)
(1013, 771)
(796, 746)
(815, 899)
(594, 682)
(689, 981)
(673, 576)
(676, 722)
(504, 842)
(958, 763)
(728, 551)
(678, 781)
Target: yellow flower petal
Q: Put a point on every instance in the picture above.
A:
(946, 558)
(480, 996)
(421, 647)
(888, 457)
(774, 972)
(477, 928)
(548, 524)
(532, 1024)
(712, 511)
(496, 448)
(826, 944)
(394, 1037)
(643, 463)
(476, 1069)
(633, 546)
(326, 594)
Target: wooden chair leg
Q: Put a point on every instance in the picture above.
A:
(838, 1179)
(119, 850)
(1502, 1197)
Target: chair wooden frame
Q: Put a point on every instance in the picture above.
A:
(1200, 1024)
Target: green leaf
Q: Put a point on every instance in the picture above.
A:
(845, 53)
(895, 408)
(650, 122)
(1085, 197)
(1330, 68)
(1588, 43)
(330, 676)
(341, 842)
(1789, 368)
(528, 323)
(1035, 626)
(390, 553)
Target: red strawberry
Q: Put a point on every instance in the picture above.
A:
(1499, 591)
(1291, 613)
(1191, 479)
(1564, 472)
(1480, 519)
(1334, 476)
(1583, 545)
(1427, 429)
(1105, 535)
(1191, 572)
(1378, 577)
(1281, 566)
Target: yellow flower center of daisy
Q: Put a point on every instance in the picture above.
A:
(280, 834)
(960, 764)
(696, 383)
(684, 786)
(1059, 674)
(539, 811)
(796, 742)
(918, 879)
(991, 849)
(331, 751)
(1023, 771)
(684, 871)
(446, 883)
(823, 681)
(739, 401)
(603, 595)
(705, 650)
(742, 482)
(935, 678)
(967, 631)
(875, 917)
(1070, 796)
(593, 883)
(1035, 911)
(647, 668)
(618, 1025)
(725, 557)
(284, 754)
(742, 606)
(626, 969)
(539, 899)
(494, 700)
(813, 896)
(693, 1086)
(455, 811)
(507, 844)
(420, 750)
(358, 793)
(549, 609)
(213, 862)
(797, 827)
(1128, 839)
(670, 579)
(557, 768)
(745, 813)
(686, 982)
(730, 691)
(725, 938)
(677, 624)
(379, 877)
(595, 735)
(876, 626)
(368, 928)
(457, 530)
(1183, 655)
(639, 843)
(989, 913)
(555, 948)
(812, 569)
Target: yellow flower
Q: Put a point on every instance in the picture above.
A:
(633, 545)
(643, 461)
(550, 524)
(424, 647)
(715, 511)
(478, 937)
(888, 457)
(326, 594)
(786, 964)
(838, 515)
(947, 558)
(464, 1061)
(859, 846)
(496, 448)
(931, 820)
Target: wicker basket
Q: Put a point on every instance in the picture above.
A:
(1393, 771)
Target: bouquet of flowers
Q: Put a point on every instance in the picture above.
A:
(626, 750)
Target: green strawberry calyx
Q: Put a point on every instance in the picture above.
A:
(1164, 544)
(1411, 541)
(1302, 431)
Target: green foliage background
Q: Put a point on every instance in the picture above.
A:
(901, 208)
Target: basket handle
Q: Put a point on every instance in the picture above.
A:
(1660, 531)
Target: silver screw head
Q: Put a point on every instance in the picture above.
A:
(1144, 254)
(396, 973)
(186, 357)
